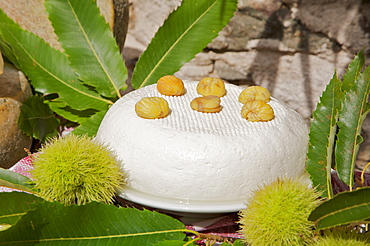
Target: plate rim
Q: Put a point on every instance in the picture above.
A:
(182, 205)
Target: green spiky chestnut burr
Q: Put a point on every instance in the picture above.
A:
(76, 170)
(342, 236)
(277, 214)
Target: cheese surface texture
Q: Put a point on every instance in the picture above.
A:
(195, 156)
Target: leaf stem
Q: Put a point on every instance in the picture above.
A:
(363, 173)
(191, 241)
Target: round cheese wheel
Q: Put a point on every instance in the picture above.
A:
(194, 161)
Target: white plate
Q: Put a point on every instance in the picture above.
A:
(177, 205)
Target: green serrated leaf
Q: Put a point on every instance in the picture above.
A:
(322, 137)
(15, 180)
(89, 44)
(47, 68)
(90, 126)
(7, 52)
(69, 113)
(353, 71)
(354, 110)
(89, 120)
(239, 242)
(37, 120)
(184, 34)
(14, 205)
(344, 208)
(91, 224)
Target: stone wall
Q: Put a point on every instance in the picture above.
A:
(290, 47)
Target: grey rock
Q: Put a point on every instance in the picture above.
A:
(14, 90)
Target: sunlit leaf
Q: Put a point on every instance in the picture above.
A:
(88, 120)
(354, 110)
(344, 208)
(89, 44)
(322, 137)
(353, 71)
(336, 125)
(15, 180)
(91, 125)
(91, 224)
(238, 242)
(50, 73)
(14, 205)
(7, 51)
(47, 68)
(185, 33)
(37, 120)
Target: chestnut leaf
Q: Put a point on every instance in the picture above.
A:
(37, 120)
(89, 43)
(185, 33)
(94, 223)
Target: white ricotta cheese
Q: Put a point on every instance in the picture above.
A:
(194, 156)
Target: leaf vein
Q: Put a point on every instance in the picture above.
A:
(54, 76)
(92, 48)
(176, 42)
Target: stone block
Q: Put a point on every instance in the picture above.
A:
(14, 90)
